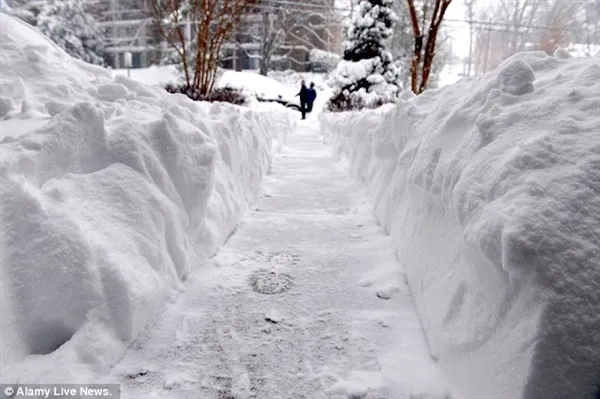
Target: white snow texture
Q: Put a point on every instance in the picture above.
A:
(107, 204)
(490, 189)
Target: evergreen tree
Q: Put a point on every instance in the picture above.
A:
(367, 69)
(67, 23)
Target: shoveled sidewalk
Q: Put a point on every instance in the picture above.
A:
(306, 300)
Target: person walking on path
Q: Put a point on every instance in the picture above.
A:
(311, 97)
(303, 98)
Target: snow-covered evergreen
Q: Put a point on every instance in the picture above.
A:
(67, 23)
(367, 68)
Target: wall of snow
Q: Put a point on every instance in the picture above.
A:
(491, 190)
(114, 195)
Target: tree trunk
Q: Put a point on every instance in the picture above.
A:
(470, 12)
(434, 28)
(487, 49)
(265, 48)
(416, 60)
(439, 10)
(264, 67)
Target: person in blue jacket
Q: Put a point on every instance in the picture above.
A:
(311, 96)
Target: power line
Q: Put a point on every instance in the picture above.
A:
(503, 24)
(300, 6)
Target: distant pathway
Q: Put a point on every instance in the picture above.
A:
(289, 308)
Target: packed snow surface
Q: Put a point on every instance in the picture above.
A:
(112, 193)
(490, 189)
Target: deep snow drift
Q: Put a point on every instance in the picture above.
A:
(115, 194)
(490, 189)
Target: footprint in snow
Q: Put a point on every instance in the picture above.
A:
(284, 259)
(278, 258)
(270, 282)
(387, 293)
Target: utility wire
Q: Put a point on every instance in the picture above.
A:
(301, 6)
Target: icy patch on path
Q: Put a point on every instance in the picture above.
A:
(321, 331)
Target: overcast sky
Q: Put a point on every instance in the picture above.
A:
(459, 31)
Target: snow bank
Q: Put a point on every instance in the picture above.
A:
(491, 191)
(156, 75)
(116, 193)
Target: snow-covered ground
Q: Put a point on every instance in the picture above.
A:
(490, 189)
(112, 193)
(285, 83)
(156, 75)
(260, 86)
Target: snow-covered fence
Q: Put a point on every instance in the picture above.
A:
(491, 191)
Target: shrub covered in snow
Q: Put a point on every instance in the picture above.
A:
(112, 192)
(22, 11)
(67, 23)
(342, 102)
(367, 70)
(490, 189)
(321, 61)
(222, 94)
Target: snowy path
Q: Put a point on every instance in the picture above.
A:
(289, 308)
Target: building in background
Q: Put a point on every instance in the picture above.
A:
(285, 32)
(129, 27)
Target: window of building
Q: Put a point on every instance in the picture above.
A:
(254, 60)
(137, 60)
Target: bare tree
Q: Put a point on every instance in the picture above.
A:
(210, 24)
(402, 44)
(423, 57)
(510, 26)
(287, 32)
(559, 19)
(482, 45)
(589, 33)
(470, 14)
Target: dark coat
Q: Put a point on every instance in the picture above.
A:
(311, 95)
(303, 94)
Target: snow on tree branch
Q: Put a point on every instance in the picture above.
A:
(67, 23)
(367, 69)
